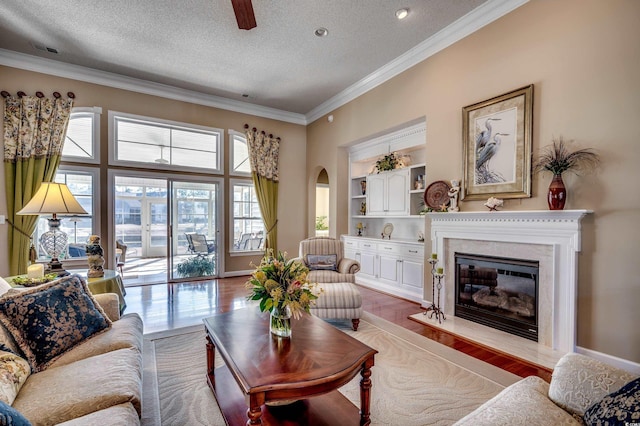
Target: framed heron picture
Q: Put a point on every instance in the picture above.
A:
(496, 149)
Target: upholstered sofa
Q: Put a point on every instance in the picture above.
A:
(579, 385)
(340, 298)
(95, 381)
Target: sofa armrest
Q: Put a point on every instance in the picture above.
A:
(523, 403)
(110, 304)
(348, 266)
(579, 381)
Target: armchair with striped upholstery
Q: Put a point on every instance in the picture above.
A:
(340, 298)
(345, 269)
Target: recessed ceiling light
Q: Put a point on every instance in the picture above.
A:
(402, 13)
(322, 32)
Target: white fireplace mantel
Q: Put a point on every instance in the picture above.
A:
(559, 229)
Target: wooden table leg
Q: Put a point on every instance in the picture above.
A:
(255, 409)
(211, 356)
(365, 393)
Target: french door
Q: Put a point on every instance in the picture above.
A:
(195, 229)
(154, 235)
(157, 217)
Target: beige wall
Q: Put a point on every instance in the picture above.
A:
(583, 57)
(293, 147)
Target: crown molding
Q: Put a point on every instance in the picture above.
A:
(468, 24)
(90, 75)
(406, 137)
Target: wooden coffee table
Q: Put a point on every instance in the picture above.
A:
(261, 370)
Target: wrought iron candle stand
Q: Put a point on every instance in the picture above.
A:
(435, 303)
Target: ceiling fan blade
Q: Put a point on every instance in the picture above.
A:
(244, 14)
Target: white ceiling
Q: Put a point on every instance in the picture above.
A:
(195, 46)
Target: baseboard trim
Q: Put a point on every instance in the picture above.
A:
(625, 364)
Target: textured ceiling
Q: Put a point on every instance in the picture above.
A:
(196, 44)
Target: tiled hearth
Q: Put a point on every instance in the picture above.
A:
(549, 237)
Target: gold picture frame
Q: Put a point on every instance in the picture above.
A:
(496, 149)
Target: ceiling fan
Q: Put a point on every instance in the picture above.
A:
(244, 14)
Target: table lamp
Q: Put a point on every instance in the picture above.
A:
(53, 198)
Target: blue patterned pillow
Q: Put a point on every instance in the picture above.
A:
(322, 262)
(48, 320)
(618, 408)
(9, 416)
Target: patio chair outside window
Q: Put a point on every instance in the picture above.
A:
(199, 245)
(121, 255)
(253, 243)
(242, 242)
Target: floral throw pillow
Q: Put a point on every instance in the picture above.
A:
(322, 262)
(14, 371)
(48, 320)
(618, 408)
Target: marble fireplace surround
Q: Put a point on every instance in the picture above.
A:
(550, 237)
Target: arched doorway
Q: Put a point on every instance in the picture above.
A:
(322, 204)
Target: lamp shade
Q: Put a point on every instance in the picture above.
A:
(52, 198)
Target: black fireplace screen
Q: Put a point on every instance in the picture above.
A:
(498, 292)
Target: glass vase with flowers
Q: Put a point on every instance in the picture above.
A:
(282, 287)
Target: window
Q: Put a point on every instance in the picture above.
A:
(160, 144)
(83, 136)
(239, 154)
(248, 228)
(82, 184)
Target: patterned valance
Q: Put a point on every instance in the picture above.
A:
(264, 151)
(34, 126)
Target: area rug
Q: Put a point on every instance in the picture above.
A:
(416, 381)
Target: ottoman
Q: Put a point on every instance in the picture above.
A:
(339, 301)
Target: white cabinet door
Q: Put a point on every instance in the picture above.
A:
(376, 195)
(368, 264)
(398, 193)
(350, 248)
(389, 268)
(412, 273)
(388, 193)
(349, 253)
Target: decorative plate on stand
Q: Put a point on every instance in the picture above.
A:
(437, 194)
(387, 230)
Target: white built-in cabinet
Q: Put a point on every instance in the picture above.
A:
(391, 193)
(388, 193)
(394, 267)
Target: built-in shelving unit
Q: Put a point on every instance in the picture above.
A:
(377, 198)
(393, 197)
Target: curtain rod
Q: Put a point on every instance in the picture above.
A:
(246, 126)
(20, 94)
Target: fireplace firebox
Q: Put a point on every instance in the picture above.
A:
(498, 292)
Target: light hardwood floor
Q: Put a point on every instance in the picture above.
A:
(191, 302)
